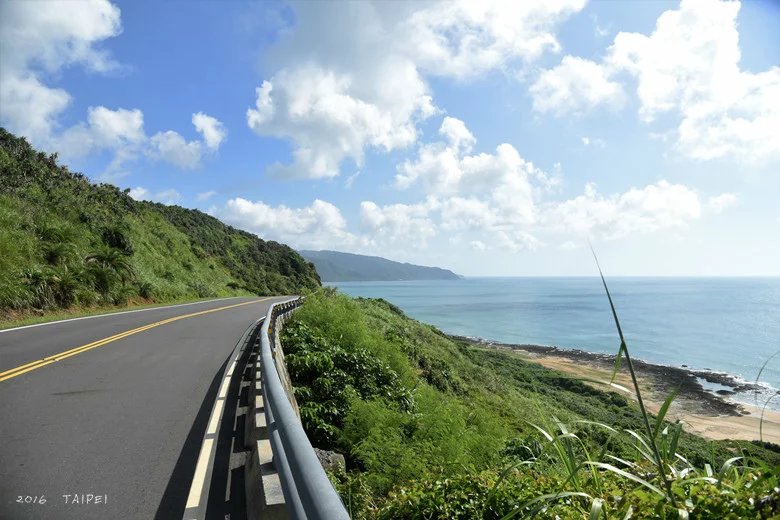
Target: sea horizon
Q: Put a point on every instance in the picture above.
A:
(716, 324)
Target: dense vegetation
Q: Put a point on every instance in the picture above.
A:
(65, 242)
(334, 266)
(438, 429)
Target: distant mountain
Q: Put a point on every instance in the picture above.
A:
(334, 266)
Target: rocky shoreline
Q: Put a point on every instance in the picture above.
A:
(662, 379)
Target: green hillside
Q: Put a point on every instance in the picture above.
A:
(335, 266)
(66, 242)
(435, 428)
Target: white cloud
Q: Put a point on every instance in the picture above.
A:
(574, 86)
(490, 193)
(688, 67)
(720, 203)
(456, 133)
(359, 79)
(167, 197)
(28, 107)
(104, 129)
(463, 39)
(477, 245)
(316, 226)
(404, 223)
(139, 193)
(212, 130)
(655, 207)
(320, 111)
(122, 131)
(504, 198)
(41, 38)
(593, 141)
(171, 147)
(351, 180)
(206, 195)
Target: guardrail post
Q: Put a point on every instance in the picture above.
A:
(307, 490)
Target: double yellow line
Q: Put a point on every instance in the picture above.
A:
(8, 374)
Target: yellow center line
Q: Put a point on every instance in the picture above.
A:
(27, 367)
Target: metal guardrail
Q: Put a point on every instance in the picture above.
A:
(307, 491)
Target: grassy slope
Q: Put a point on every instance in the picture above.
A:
(52, 220)
(472, 411)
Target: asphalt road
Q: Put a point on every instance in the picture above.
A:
(123, 421)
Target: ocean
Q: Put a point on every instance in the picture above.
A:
(727, 325)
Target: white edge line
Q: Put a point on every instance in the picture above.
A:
(118, 313)
(204, 458)
(223, 389)
(193, 499)
(216, 415)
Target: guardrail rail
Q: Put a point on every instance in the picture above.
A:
(284, 477)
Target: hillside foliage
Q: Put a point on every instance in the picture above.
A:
(67, 242)
(434, 428)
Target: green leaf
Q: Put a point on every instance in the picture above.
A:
(596, 509)
(662, 412)
(625, 474)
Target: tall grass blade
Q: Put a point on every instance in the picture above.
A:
(543, 431)
(616, 386)
(601, 425)
(763, 411)
(626, 474)
(544, 498)
(596, 509)
(642, 408)
(726, 466)
(662, 412)
(758, 376)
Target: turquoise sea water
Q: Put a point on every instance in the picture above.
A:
(728, 325)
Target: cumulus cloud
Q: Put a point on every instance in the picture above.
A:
(167, 197)
(593, 141)
(359, 82)
(505, 198)
(574, 86)
(206, 195)
(720, 203)
(120, 131)
(37, 41)
(405, 223)
(494, 192)
(318, 110)
(463, 39)
(171, 147)
(687, 67)
(212, 130)
(315, 226)
(139, 193)
(639, 210)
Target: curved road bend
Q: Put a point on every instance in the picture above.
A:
(122, 421)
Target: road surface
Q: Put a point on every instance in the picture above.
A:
(112, 427)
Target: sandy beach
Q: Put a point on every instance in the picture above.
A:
(701, 411)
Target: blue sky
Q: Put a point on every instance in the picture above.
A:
(489, 138)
